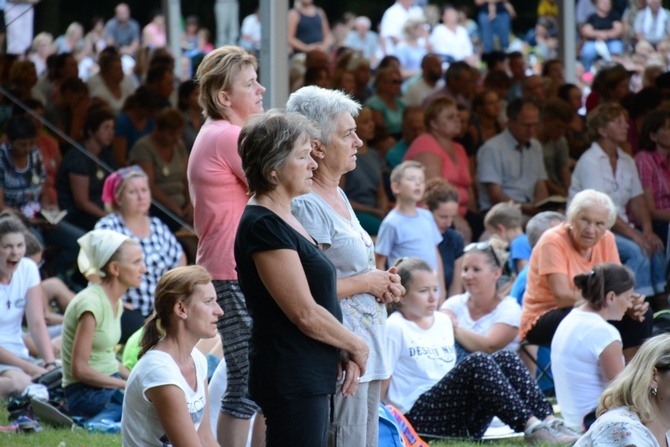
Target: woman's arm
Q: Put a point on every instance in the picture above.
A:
(431, 162)
(277, 268)
(564, 295)
(456, 286)
(499, 336)
(205, 430)
(7, 358)
(120, 150)
(385, 389)
(325, 30)
(295, 43)
(79, 188)
(611, 361)
(170, 405)
(81, 353)
(37, 325)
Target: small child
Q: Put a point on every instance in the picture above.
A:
(505, 220)
(409, 231)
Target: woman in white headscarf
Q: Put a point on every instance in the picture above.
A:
(92, 376)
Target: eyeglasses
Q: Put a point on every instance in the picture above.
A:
(483, 246)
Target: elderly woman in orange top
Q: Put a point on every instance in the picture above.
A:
(445, 158)
(568, 250)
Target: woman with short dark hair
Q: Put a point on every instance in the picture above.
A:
(297, 327)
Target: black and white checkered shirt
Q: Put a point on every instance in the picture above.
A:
(161, 253)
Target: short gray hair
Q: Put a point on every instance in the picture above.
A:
(589, 198)
(540, 223)
(265, 143)
(322, 106)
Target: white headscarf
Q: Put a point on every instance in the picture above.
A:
(97, 247)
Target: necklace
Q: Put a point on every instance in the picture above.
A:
(5, 290)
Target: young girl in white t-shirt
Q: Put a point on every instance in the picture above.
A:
(166, 394)
(444, 399)
(586, 351)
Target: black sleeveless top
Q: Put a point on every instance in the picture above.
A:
(309, 29)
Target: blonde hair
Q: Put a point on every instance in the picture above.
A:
(218, 71)
(632, 387)
(399, 171)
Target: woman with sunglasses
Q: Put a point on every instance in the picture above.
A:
(484, 319)
(127, 195)
(634, 409)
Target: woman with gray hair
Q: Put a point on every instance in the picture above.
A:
(565, 251)
(328, 217)
(297, 330)
(229, 93)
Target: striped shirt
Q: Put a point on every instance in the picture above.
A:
(654, 170)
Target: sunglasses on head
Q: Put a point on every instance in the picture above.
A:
(483, 246)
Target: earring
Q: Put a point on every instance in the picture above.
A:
(185, 316)
(654, 391)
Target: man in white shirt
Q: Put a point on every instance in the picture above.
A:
(393, 21)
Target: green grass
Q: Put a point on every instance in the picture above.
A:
(60, 437)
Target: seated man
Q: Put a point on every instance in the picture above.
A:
(510, 166)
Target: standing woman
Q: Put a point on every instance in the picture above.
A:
(297, 332)
(20, 283)
(92, 375)
(329, 218)
(229, 93)
(586, 351)
(166, 397)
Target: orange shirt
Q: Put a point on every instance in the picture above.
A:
(555, 253)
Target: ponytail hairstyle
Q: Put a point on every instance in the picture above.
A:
(603, 279)
(174, 286)
(406, 268)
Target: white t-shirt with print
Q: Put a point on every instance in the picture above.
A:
(140, 426)
(418, 358)
(13, 304)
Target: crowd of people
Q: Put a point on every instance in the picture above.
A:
(432, 208)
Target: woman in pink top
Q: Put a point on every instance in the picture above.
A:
(229, 93)
(445, 158)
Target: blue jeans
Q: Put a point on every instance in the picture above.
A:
(94, 404)
(649, 271)
(500, 26)
(589, 53)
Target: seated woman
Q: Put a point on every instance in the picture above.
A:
(92, 375)
(565, 251)
(188, 94)
(126, 193)
(80, 177)
(443, 157)
(633, 409)
(135, 121)
(586, 352)
(20, 281)
(166, 399)
(605, 167)
(387, 108)
(484, 319)
(364, 185)
(576, 134)
(110, 84)
(442, 398)
(163, 157)
(442, 200)
(299, 328)
(21, 188)
(650, 163)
